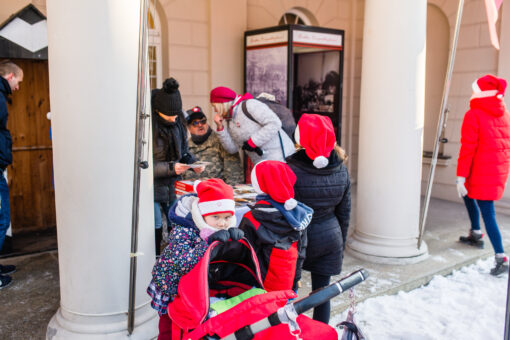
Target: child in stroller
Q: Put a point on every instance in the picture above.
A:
(229, 269)
(197, 220)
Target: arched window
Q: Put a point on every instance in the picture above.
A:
(297, 16)
(155, 66)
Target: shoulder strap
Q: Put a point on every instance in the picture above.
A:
(247, 113)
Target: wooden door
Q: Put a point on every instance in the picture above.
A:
(30, 176)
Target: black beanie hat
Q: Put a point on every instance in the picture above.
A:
(167, 100)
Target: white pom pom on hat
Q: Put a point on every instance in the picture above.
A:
(290, 204)
(320, 162)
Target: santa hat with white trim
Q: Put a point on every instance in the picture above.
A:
(315, 133)
(489, 86)
(275, 179)
(214, 197)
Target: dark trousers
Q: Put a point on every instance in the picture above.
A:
(5, 209)
(489, 219)
(321, 312)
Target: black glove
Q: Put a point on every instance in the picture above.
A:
(256, 149)
(220, 235)
(236, 234)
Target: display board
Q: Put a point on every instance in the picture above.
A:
(302, 66)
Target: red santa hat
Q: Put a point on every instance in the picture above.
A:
(489, 86)
(316, 135)
(214, 197)
(222, 94)
(275, 179)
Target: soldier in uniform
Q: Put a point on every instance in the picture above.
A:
(205, 146)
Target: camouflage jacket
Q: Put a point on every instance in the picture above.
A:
(224, 165)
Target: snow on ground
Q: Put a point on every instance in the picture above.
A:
(468, 304)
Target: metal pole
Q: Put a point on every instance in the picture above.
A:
(440, 123)
(138, 163)
(507, 316)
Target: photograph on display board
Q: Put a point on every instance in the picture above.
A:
(266, 71)
(317, 83)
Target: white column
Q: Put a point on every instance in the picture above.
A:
(391, 127)
(93, 63)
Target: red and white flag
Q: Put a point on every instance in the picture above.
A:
(492, 7)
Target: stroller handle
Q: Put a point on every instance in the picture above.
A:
(315, 298)
(322, 295)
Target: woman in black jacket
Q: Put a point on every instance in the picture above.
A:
(169, 149)
(323, 184)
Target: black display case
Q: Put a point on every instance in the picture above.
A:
(302, 66)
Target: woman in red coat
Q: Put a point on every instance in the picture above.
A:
(484, 162)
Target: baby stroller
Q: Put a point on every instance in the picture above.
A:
(230, 269)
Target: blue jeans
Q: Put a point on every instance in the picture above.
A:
(489, 219)
(158, 218)
(5, 209)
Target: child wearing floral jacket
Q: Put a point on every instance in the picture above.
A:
(196, 222)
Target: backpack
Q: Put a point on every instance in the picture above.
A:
(281, 111)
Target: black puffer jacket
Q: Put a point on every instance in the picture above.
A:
(280, 248)
(5, 135)
(327, 192)
(170, 146)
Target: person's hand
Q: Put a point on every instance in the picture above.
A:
(236, 234)
(461, 188)
(220, 235)
(180, 168)
(218, 119)
(249, 146)
(200, 169)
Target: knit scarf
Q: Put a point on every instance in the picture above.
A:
(299, 218)
(197, 139)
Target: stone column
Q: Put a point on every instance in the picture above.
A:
(93, 65)
(391, 128)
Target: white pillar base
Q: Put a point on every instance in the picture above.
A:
(376, 249)
(65, 325)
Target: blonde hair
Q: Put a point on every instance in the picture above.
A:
(7, 67)
(339, 151)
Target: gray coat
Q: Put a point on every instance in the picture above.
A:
(264, 134)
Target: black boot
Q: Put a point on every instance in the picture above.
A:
(472, 239)
(501, 265)
(159, 237)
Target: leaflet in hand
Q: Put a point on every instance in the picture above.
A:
(199, 164)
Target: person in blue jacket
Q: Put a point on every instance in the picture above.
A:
(11, 75)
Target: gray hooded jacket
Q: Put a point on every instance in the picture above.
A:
(264, 134)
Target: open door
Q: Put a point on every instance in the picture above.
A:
(30, 177)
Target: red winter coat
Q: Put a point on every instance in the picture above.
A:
(484, 157)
